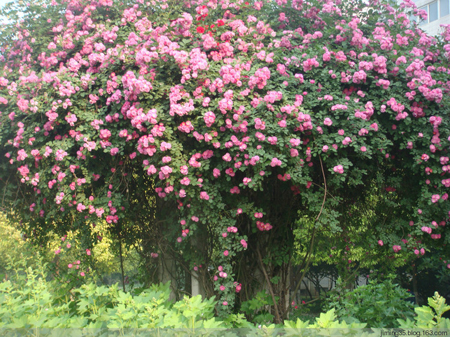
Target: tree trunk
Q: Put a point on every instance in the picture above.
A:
(167, 272)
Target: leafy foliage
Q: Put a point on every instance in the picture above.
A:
(380, 305)
(19, 254)
(31, 304)
(429, 317)
(256, 308)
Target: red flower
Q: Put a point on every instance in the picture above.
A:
(200, 30)
(220, 23)
(212, 26)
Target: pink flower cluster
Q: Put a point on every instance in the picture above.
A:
(338, 169)
(259, 79)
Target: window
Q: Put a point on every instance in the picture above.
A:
(445, 7)
(435, 10)
(434, 14)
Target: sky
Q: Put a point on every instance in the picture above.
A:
(3, 2)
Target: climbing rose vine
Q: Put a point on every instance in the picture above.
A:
(238, 117)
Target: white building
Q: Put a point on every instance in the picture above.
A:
(438, 13)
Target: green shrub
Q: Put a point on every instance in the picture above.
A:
(429, 317)
(379, 305)
(31, 304)
(256, 308)
(28, 302)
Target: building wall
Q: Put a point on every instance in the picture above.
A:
(432, 26)
(326, 283)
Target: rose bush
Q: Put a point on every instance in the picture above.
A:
(224, 122)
